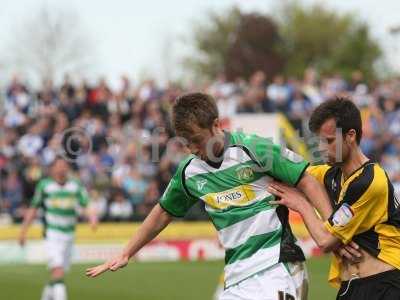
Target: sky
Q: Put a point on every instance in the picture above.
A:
(141, 38)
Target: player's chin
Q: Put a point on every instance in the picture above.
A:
(331, 162)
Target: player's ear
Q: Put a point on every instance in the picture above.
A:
(216, 126)
(351, 136)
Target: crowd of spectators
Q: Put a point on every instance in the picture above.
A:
(118, 140)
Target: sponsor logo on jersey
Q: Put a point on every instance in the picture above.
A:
(239, 196)
(343, 215)
(230, 197)
(244, 173)
(62, 203)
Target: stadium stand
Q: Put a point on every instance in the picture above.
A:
(118, 141)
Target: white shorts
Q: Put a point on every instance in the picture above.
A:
(59, 250)
(283, 281)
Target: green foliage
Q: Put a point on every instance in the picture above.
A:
(297, 37)
(256, 48)
(327, 40)
(212, 41)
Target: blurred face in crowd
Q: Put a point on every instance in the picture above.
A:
(59, 170)
(335, 146)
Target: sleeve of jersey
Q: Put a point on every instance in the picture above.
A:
(38, 195)
(318, 172)
(363, 205)
(280, 163)
(175, 200)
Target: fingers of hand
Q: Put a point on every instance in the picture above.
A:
(279, 186)
(353, 251)
(95, 271)
(274, 191)
(116, 265)
(353, 245)
(350, 254)
(343, 253)
(275, 202)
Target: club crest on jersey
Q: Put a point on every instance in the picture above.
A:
(201, 183)
(244, 173)
(343, 215)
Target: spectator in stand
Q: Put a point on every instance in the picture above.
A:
(13, 196)
(151, 198)
(99, 204)
(135, 186)
(120, 208)
(279, 93)
(299, 110)
(31, 143)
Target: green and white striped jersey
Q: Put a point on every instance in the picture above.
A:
(60, 203)
(254, 233)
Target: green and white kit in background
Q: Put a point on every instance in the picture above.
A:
(258, 242)
(60, 213)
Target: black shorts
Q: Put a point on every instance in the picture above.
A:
(382, 286)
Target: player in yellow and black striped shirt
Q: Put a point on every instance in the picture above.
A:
(365, 208)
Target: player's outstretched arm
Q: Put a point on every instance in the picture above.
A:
(29, 216)
(296, 201)
(155, 222)
(316, 195)
(91, 216)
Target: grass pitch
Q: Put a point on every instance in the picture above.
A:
(141, 281)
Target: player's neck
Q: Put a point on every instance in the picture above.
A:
(218, 151)
(220, 144)
(61, 180)
(355, 161)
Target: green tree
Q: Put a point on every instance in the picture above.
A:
(235, 44)
(325, 39)
(211, 40)
(256, 47)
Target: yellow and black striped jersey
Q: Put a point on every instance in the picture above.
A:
(366, 211)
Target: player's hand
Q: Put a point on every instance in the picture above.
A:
(93, 221)
(113, 264)
(351, 252)
(22, 239)
(289, 196)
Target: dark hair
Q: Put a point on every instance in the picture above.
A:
(194, 108)
(345, 113)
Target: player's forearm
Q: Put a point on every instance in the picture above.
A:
(155, 222)
(29, 216)
(316, 195)
(91, 214)
(324, 239)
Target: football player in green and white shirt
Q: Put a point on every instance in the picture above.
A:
(59, 197)
(230, 173)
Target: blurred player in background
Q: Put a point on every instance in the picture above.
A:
(366, 209)
(59, 196)
(230, 173)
